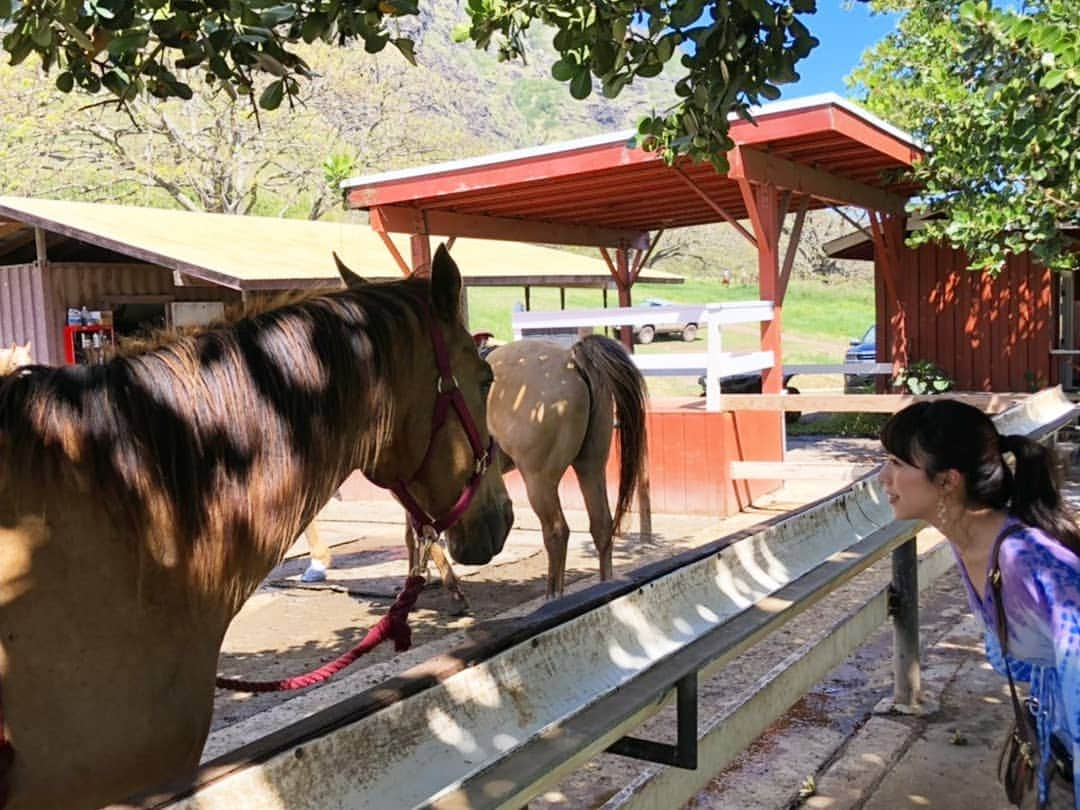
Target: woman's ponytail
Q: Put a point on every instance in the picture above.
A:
(1035, 494)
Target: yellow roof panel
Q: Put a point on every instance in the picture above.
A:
(248, 253)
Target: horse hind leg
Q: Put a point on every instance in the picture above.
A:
(593, 483)
(544, 499)
(321, 558)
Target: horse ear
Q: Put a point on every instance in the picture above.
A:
(445, 285)
(352, 281)
(26, 348)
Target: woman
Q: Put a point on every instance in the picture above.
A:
(947, 465)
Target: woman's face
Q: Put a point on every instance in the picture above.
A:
(912, 495)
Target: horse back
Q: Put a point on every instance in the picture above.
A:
(539, 405)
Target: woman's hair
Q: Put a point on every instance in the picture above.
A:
(947, 434)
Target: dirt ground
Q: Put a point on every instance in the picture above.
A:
(288, 628)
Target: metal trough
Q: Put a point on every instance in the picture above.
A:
(489, 724)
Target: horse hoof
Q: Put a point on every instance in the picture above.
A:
(316, 572)
(459, 607)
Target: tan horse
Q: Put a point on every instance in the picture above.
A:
(142, 501)
(551, 408)
(15, 357)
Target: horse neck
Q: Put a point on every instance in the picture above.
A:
(266, 452)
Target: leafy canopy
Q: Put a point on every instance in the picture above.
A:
(734, 53)
(994, 91)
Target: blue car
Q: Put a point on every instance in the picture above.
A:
(862, 350)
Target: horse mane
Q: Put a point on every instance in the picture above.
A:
(173, 440)
(253, 305)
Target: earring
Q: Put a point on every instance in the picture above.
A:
(942, 512)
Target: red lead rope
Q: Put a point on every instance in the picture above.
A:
(394, 625)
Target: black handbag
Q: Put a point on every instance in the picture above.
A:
(1020, 755)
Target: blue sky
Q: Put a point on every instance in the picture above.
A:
(844, 35)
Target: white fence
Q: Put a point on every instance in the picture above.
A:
(714, 363)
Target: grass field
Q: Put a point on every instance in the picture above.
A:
(818, 320)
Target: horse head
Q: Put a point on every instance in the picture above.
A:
(16, 356)
(440, 467)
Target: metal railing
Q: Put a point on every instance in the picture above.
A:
(496, 723)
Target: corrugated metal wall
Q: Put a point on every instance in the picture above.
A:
(100, 286)
(34, 304)
(988, 334)
(24, 304)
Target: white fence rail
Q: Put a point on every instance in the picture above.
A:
(714, 364)
(503, 727)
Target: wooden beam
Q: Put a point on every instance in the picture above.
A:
(41, 246)
(9, 227)
(886, 257)
(622, 265)
(402, 219)
(642, 256)
(854, 222)
(859, 403)
(760, 167)
(750, 202)
(763, 203)
(611, 266)
(715, 206)
(420, 245)
(792, 246)
(401, 263)
(21, 238)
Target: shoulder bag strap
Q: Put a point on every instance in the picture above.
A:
(1001, 625)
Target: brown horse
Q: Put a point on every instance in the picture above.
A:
(551, 408)
(143, 500)
(15, 357)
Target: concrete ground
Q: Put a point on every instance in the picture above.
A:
(833, 751)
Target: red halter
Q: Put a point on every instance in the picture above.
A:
(449, 394)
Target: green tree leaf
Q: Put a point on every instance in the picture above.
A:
(581, 84)
(272, 95)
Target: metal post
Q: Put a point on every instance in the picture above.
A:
(1067, 338)
(905, 615)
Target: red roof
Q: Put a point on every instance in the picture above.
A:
(602, 190)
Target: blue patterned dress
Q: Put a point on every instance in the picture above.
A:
(1041, 591)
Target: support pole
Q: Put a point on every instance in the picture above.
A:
(40, 248)
(904, 609)
(622, 279)
(421, 254)
(1067, 299)
(764, 204)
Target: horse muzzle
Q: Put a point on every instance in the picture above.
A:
(476, 540)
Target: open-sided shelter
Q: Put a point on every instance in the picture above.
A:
(800, 155)
(150, 265)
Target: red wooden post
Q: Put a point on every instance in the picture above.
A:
(421, 254)
(888, 234)
(763, 201)
(622, 280)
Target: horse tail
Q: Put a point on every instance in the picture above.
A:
(608, 367)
